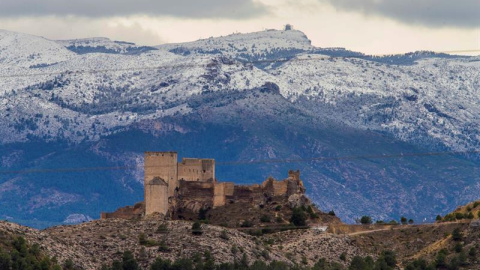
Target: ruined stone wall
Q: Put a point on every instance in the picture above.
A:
(193, 169)
(127, 212)
(156, 196)
(273, 188)
(221, 191)
(195, 195)
(163, 165)
(246, 194)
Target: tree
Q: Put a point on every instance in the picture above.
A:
(129, 262)
(197, 228)
(457, 235)
(366, 220)
(299, 218)
(5, 261)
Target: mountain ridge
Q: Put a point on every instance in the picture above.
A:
(229, 106)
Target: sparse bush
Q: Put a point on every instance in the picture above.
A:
(142, 240)
(472, 252)
(224, 235)
(458, 247)
(393, 222)
(265, 218)
(246, 224)
(163, 247)
(162, 228)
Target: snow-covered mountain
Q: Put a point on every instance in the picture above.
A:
(264, 95)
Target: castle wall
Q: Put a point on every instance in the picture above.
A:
(221, 191)
(246, 194)
(274, 188)
(163, 165)
(194, 169)
(156, 197)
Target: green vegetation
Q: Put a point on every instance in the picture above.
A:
(365, 220)
(16, 254)
(299, 218)
(265, 218)
(197, 228)
(144, 241)
(457, 235)
(205, 261)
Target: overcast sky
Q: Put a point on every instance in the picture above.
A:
(369, 26)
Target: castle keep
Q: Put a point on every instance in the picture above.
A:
(172, 186)
(163, 175)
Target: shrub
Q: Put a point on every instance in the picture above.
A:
(142, 240)
(162, 228)
(438, 218)
(331, 213)
(246, 224)
(366, 220)
(163, 247)
(393, 222)
(278, 208)
(410, 221)
(224, 235)
(475, 204)
(457, 235)
(343, 256)
(403, 220)
(458, 247)
(299, 218)
(197, 228)
(265, 218)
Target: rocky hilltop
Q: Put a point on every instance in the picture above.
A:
(91, 244)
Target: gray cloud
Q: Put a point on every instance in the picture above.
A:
(236, 9)
(433, 13)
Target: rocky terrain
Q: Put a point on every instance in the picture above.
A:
(76, 117)
(91, 244)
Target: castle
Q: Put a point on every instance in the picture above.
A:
(191, 184)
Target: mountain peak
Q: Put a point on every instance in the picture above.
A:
(238, 44)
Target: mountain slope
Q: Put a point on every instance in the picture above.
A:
(104, 108)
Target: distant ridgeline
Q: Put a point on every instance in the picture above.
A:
(174, 189)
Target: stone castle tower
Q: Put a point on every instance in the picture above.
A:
(163, 174)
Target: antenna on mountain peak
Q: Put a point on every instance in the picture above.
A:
(288, 27)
